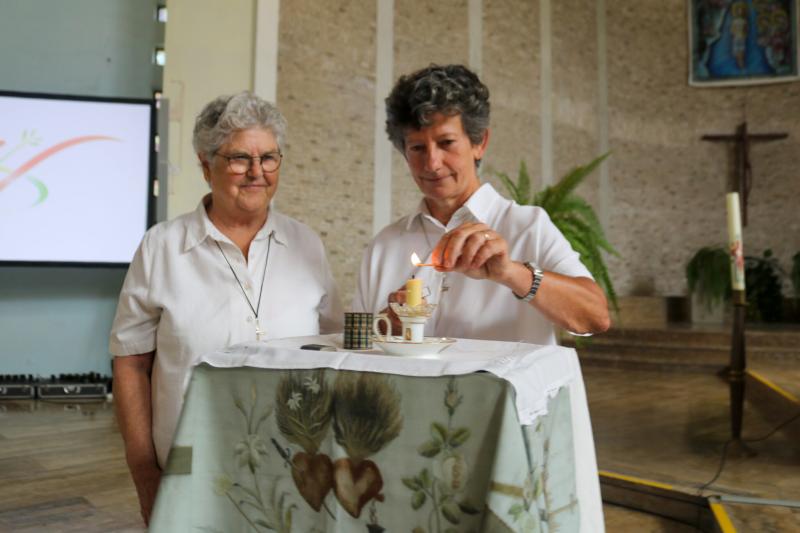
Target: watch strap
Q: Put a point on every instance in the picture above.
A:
(537, 280)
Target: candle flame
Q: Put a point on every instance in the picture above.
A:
(415, 259)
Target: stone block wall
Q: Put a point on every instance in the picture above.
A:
(326, 86)
(665, 188)
(668, 186)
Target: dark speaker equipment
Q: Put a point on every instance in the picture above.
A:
(64, 387)
(71, 391)
(17, 391)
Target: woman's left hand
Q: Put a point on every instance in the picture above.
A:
(475, 250)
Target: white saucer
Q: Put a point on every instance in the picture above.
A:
(429, 346)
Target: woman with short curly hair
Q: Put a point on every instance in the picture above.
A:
(500, 271)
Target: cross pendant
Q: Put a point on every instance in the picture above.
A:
(259, 332)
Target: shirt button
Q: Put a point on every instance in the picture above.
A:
(248, 319)
(246, 285)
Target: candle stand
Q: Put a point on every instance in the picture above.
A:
(736, 375)
(413, 318)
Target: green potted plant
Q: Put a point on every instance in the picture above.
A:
(763, 287)
(708, 275)
(795, 278)
(795, 275)
(572, 215)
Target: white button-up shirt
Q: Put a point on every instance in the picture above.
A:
(181, 299)
(469, 308)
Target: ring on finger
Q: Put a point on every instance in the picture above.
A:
(486, 236)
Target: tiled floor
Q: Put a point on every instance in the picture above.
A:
(620, 519)
(62, 469)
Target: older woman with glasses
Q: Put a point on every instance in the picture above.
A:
(234, 270)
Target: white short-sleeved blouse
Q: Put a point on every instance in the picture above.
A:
(469, 308)
(181, 300)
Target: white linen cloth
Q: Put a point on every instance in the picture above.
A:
(535, 372)
(181, 299)
(476, 309)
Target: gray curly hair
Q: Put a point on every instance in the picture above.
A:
(450, 90)
(225, 115)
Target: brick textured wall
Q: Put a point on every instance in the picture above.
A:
(326, 86)
(666, 186)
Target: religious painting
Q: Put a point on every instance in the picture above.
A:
(741, 42)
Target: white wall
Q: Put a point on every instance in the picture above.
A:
(209, 47)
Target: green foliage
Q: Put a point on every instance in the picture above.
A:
(763, 287)
(442, 486)
(468, 507)
(430, 448)
(418, 499)
(572, 215)
(521, 190)
(708, 274)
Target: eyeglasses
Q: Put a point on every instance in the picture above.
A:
(241, 163)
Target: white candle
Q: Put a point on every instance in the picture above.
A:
(735, 241)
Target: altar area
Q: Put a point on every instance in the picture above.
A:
(485, 436)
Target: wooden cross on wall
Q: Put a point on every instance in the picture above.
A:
(743, 173)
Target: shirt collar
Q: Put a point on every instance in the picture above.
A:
(477, 207)
(199, 227)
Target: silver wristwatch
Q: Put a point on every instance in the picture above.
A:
(537, 280)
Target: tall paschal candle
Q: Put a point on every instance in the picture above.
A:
(735, 246)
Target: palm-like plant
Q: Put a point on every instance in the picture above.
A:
(572, 215)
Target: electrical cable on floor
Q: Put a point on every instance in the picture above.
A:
(729, 441)
(725, 455)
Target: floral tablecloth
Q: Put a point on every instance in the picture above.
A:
(321, 442)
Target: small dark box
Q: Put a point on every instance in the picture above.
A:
(19, 391)
(71, 391)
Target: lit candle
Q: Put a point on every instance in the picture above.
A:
(413, 292)
(735, 241)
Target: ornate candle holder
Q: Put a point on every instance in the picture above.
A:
(413, 319)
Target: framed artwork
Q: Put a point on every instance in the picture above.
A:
(742, 42)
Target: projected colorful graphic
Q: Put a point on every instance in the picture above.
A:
(75, 178)
(29, 138)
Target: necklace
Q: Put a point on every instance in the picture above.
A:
(257, 308)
